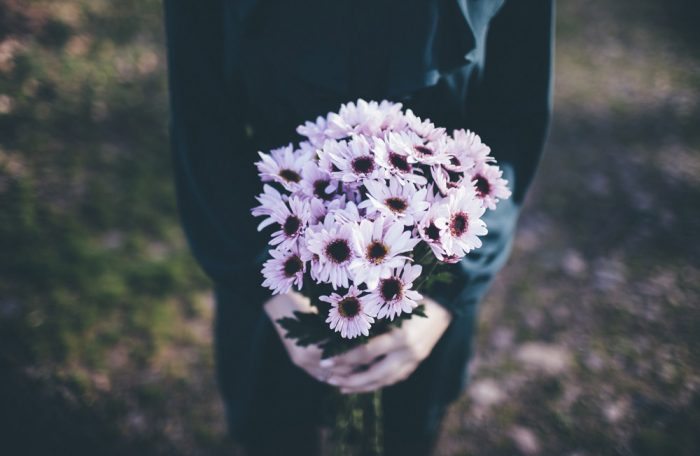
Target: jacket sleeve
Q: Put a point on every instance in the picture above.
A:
(214, 173)
(511, 113)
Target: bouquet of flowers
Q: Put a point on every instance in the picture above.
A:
(368, 211)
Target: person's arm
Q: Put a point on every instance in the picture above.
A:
(213, 165)
(511, 114)
(215, 175)
(512, 117)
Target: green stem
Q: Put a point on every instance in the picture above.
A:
(357, 428)
(425, 277)
(428, 253)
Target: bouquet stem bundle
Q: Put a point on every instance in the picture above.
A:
(357, 425)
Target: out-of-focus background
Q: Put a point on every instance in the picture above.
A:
(589, 339)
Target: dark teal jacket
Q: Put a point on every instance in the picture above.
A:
(343, 50)
(268, 65)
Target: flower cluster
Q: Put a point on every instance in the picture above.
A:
(352, 204)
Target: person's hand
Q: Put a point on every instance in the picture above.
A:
(306, 358)
(391, 357)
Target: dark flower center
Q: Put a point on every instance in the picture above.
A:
(338, 251)
(292, 265)
(291, 225)
(396, 204)
(363, 165)
(399, 162)
(320, 189)
(349, 307)
(483, 187)
(376, 252)
(459, 224)
(423, 150)
(391, 289)
(290, 175)
(432, 231)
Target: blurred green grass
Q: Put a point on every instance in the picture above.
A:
(98, 291)
(93, 254)
(588, 341)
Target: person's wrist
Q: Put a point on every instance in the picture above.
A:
(274, 306)
(436, 311)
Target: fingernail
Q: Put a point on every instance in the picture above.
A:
(326, 363)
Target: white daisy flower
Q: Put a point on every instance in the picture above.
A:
(307, 149)
(330, 245)
(353, 160)
(284, 269)
(271, 201)
(349, 213)
(400, 164)
(348, 314)
(338, 128)
(420, 150)
(423, 128)
(318, 183)
(394, 119)
(463, 225)
(432, 229)
(315, 131)
(368, 118)
(324, 160)
(489, 185)
(293, 218)
(394, 296)
(447, 178)
(397, 201)
(378, 250)
(321, 208)
(468, 148)
(283, 165)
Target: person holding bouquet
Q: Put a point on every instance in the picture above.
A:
(243, 75)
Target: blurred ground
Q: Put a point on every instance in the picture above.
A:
(589, 339)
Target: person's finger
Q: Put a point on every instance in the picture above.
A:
(384, 368)
(400, 374)
(367, 353)
(320, 374)
(344, 370)
(312, 369)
